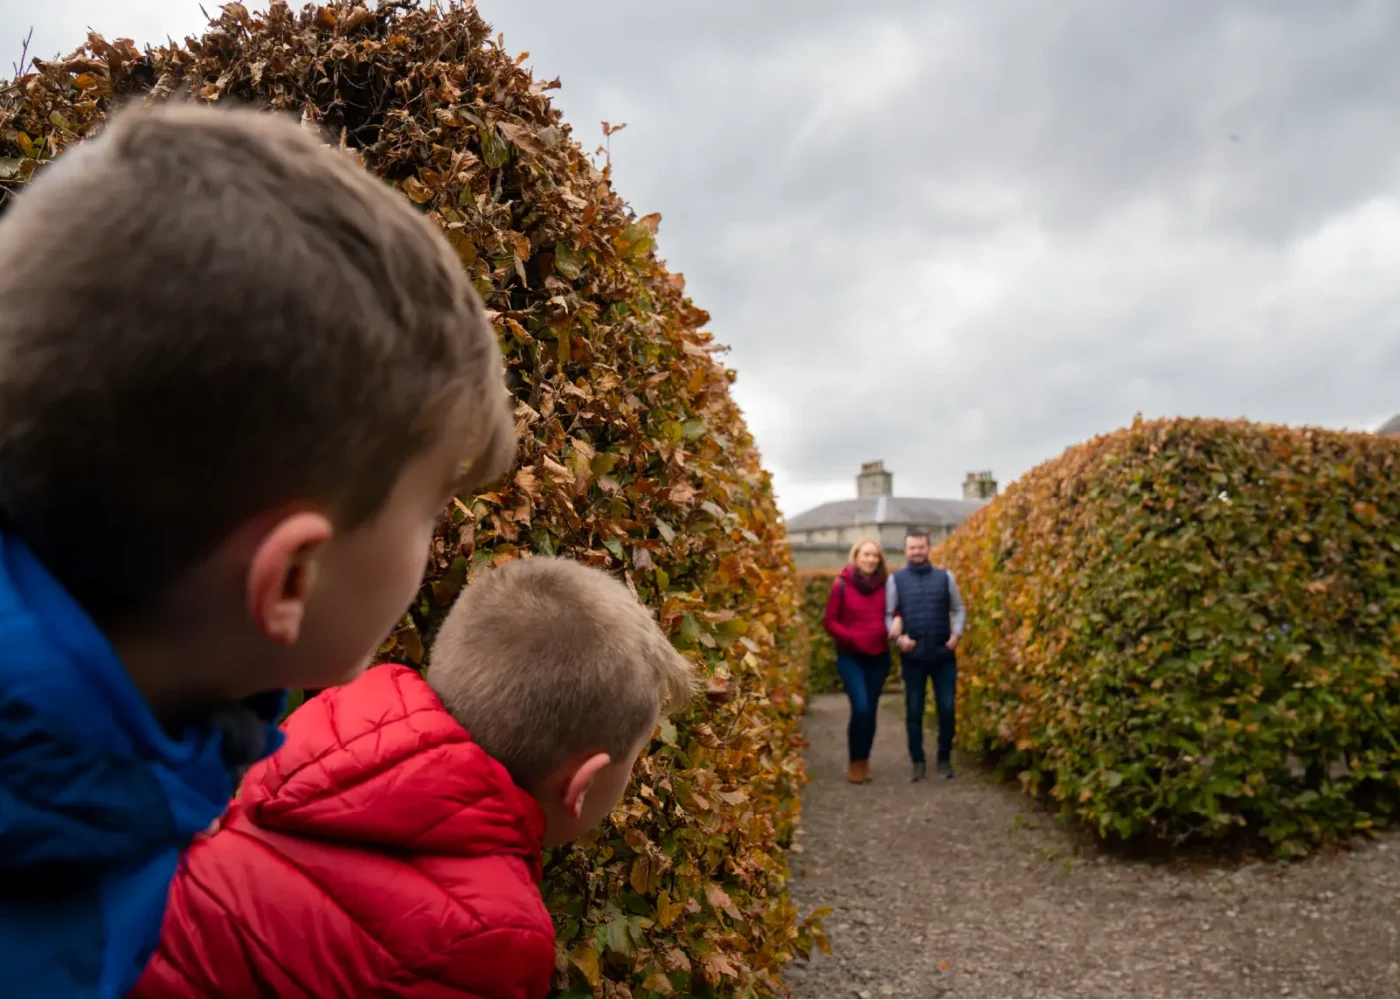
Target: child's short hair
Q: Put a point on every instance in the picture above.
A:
(205, 314)
(543, 659)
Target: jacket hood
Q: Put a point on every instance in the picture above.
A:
(381, 762)
(96, 798)
(90, 780)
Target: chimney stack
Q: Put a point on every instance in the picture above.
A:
(874, 481)
(979, 486)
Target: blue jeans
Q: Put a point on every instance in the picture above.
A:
(943, 670)
(864, 678)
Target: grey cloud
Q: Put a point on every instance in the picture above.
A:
(968, 234)
(1167, 157)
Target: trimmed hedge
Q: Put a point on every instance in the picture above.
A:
(633, 455)
(822, 675)
(1190, 629)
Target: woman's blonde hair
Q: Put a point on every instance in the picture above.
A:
(855, 551)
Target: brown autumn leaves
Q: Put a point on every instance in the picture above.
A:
(633, 455)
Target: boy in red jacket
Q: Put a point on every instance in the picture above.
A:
(393, 847)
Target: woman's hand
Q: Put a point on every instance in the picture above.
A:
(896, 627)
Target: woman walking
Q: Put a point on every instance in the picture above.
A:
(855, 617)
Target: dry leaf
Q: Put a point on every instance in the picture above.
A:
(626, 432)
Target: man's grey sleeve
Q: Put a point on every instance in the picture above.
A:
(891, 601)
(955, 602)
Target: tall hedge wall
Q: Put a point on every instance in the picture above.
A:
(816, 587)
(633, 455)
(1190, 629)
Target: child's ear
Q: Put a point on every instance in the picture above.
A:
(282, 573)
(581, 781)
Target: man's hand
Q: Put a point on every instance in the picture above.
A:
(896, 627)
(906, 644)
(953, 642)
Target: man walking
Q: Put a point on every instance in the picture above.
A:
(925, 616)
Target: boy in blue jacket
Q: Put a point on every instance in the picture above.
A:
(239, 379)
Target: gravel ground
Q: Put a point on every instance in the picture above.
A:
(963, 889)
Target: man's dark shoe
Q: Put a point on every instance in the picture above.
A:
(920, 770)
(945, 768)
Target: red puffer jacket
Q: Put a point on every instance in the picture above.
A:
(380, 853)
(855, 620)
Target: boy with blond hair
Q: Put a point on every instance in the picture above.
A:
(392, 847)
(239, 380)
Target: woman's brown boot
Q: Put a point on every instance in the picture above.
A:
(859, 772)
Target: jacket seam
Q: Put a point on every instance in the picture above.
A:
(381, 767)
(340, 743)
(245, 930)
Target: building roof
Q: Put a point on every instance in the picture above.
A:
(923, 512)
(1391, 426)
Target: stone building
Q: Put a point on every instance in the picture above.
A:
(821, 538)
(1391, 428)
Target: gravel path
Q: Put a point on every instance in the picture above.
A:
(963, 889)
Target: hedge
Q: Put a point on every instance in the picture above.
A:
(816, 587)
(633, 456)
(1190, 630)
(823, 678)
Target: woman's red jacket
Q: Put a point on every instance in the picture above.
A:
(856, 620)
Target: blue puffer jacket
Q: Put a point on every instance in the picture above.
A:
(96, 800)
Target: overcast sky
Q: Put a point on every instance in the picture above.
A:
(966, 235)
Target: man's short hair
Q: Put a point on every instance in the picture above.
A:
(916, 533)
(206, 314)
(543, 659)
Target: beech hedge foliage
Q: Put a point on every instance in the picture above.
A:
(816, 588)
(633, 454)
(1191, 629)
